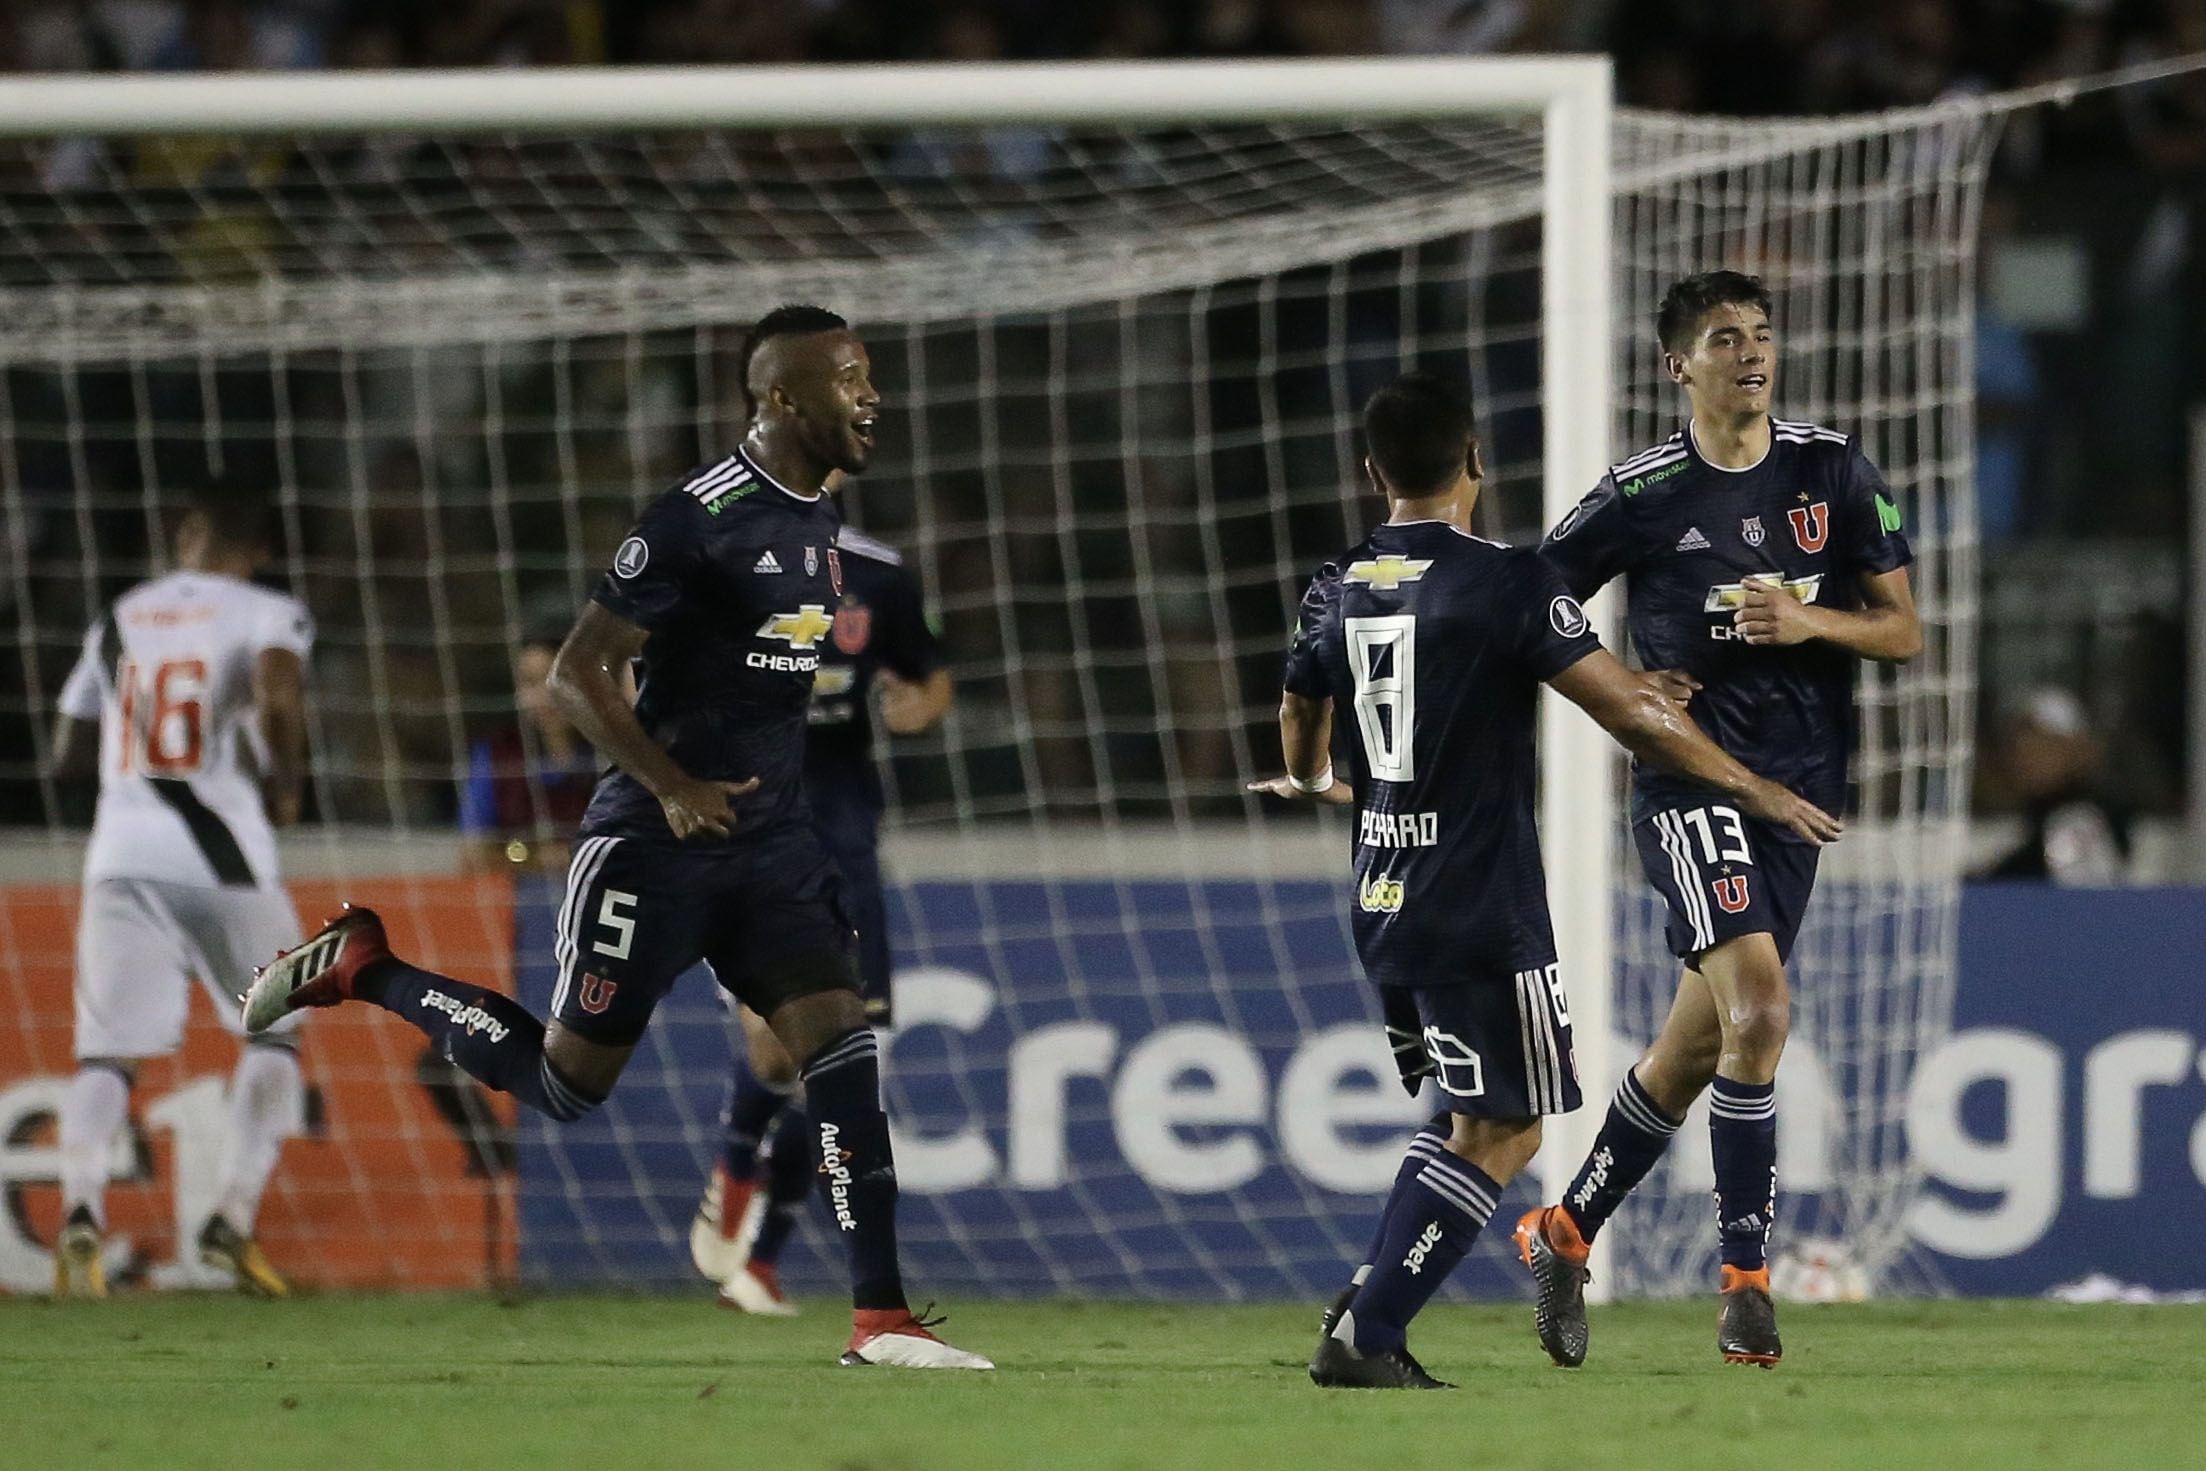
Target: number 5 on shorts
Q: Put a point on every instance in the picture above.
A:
(612, 915)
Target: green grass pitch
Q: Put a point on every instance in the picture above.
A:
(597, 1383)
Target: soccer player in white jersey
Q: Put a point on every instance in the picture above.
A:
(188, 702)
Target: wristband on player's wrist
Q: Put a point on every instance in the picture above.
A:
(1323, 781)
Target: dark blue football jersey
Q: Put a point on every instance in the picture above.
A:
(1432, 644)
(737, 580)
(881, 623)
(1813, 515)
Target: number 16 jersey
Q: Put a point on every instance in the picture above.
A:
(1432, 645)
(168, 674)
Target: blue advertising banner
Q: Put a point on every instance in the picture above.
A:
(1173, 1089)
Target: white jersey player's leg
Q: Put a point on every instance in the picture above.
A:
(131, 994)
(229, 932)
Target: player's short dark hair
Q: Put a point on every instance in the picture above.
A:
(237, 514)
(794, 320)
(1419, 430)
(1695, 296)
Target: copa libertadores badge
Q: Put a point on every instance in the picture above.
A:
(632, 556)
(1568, 618)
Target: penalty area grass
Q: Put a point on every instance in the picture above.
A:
(602, 1383)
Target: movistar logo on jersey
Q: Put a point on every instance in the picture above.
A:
(1390, 571)
(1652, 477)
(1888, 515)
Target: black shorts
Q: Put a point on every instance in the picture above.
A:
(767, 917)
(1500, 1044)
(852, 836)
(1724, 875)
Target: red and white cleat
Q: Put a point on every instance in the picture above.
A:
(898, 1339)
(726, 1224)
(317, 973)
(755, 1287)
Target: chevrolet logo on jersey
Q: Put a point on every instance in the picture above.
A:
(803, 628)
(1728, 596)
(1389, 572)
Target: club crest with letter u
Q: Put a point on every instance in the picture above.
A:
(1731, 893)
(1750, 531)
(1811, 525)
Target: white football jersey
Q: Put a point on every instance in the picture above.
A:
(168, 674)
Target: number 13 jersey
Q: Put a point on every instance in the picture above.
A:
(1432, 645)
(168, 674)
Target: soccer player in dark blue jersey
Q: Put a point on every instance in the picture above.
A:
(1437, 642)
(882, 639)
(1764, 557)
(697, 844)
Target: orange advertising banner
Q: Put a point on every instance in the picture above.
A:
(401, 1180)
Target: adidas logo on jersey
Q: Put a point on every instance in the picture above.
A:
(766, 563)
(1692, 541)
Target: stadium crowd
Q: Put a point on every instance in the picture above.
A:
(1727, 56)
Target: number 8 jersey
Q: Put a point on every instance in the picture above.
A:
(1432, 644)
(168, 674)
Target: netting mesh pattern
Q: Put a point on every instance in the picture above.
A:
(1124, 371)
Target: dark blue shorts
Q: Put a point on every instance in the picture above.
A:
(1500, 1044)
(1724, 875)
(767, 917)
(852, 836)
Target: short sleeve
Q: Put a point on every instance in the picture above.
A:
(650, 570)
(908, 644)
(80, 693)
(1305, 674)
(287, 625)
(1871, 536)
(1547, 630)
(1594, 543)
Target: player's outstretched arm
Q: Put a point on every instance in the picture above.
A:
(1305, 739)
(1886, 628)
(586, 684)
(279, 700)
(1656, 728)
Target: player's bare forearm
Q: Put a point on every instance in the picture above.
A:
(586, 685)
(1305, 741)
(1886, 628)
(76, 752)
(279, 698)
(1653, 727)
(912, 707)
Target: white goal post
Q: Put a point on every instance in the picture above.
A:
(1571, 97)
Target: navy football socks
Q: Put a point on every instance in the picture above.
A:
(1632, 1138)
(1742, 1134)
(1432, 1219)
(752, 1107)
(790, 1165)
(842, 1093)
(487, 1035)
(1423, 1145)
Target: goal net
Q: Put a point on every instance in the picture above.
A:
(1123, 363)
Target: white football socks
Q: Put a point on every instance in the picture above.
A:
(267, 1106)
(93, 1108)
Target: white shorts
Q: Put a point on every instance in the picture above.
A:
(140, 942)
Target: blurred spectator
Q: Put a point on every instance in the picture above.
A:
(2050, 760)
(528, 781)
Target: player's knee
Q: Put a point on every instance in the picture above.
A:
(564, 1099)
(770, 1062)
(1756, 1028)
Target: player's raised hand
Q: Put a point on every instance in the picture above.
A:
(697, 808)
(1336, 795)
(1771, 616)
(1673, 684)
(1773, 803)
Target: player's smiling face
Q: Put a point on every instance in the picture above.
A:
(838, 408)
(1731, 366)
